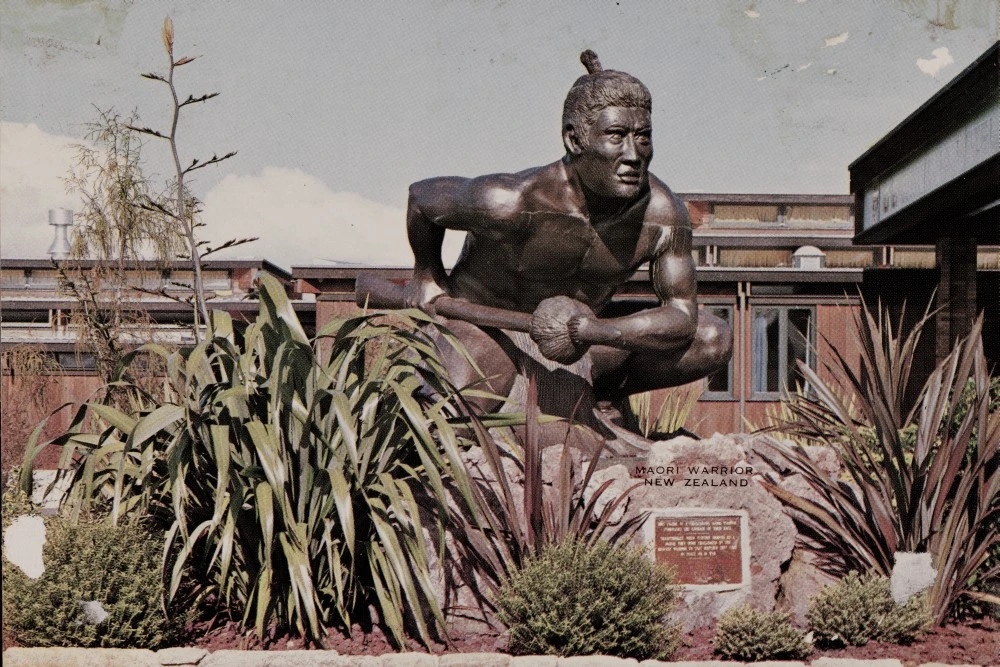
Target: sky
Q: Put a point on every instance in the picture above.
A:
(334, 108)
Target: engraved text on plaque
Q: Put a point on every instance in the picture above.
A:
(703, 549)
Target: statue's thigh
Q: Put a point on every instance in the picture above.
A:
(497, 370)
(618, 373)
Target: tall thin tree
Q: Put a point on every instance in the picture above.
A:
(184, 209)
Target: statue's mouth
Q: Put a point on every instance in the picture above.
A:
(630, 177)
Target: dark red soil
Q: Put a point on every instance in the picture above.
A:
(359, 643)
(974, 642)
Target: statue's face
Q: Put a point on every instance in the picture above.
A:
(614, 161)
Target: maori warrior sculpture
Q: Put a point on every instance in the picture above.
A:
(545, 251)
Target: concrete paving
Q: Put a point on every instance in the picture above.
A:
(195, 657)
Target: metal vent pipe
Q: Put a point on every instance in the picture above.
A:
(62, 220)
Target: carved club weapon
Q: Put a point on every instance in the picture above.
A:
(547, 326)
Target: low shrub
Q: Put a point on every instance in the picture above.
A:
(748, 634)
(90, 569)
(15, 502)
(859, 609)
(579, 599)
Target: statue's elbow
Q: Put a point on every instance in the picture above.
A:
(716, 341)
(416, 197)
(673, 336)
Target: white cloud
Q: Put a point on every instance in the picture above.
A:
(837, 39)
(300, 220)
(941, 59)
(32, 166)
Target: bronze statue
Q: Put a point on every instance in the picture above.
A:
(557, 241)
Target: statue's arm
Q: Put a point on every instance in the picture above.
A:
(426, 237)
(672, 325)
(437, 204)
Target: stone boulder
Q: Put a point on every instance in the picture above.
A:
(713, 474)
(802, 578)
(719, 475)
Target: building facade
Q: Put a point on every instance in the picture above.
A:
(783, 270)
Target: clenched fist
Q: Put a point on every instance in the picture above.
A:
(553, 328)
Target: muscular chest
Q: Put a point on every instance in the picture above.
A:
(567, 248)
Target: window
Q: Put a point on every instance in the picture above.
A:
(719, 385)
(781, 336)
(745, 213)
(12, 279)
(76, 361)
(217, 280)
(179, 280)
(43, 278)
(149, 279)
(754, 257)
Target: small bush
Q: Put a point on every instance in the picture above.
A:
(15, 502)
(860, 609)
(117, 567)
(576, 599)
(748, 635)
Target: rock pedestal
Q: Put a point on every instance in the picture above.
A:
(730, 541)
(726, 536)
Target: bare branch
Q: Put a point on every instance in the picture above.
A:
(147, 130)
(162, 292)
(156, 207)
(215, 159)
(192, 99)
(154, 76)
(231, 243)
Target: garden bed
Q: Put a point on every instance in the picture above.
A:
(972, 643)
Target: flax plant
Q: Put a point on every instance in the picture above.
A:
(518, 524)
(295, 486)
(941, 496)
(674, 410)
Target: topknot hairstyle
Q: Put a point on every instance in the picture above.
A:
(591, 62)
(600, 88)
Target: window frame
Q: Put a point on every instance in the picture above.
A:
(783, 338)
(730, 393)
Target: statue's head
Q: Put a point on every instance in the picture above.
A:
(607, 131)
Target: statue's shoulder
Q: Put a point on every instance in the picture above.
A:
(665, 208)
(454, 200)
(667, 225)
(507, 196)
(503, 194)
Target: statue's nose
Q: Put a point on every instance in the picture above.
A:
(629, 152)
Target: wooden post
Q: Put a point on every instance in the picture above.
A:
(956, 295)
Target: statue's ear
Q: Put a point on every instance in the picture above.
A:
(571, 140)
